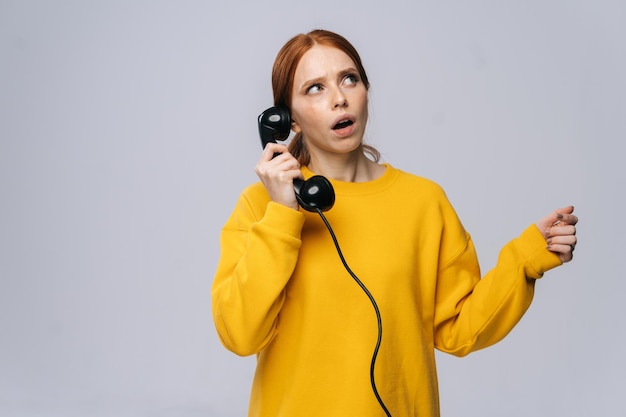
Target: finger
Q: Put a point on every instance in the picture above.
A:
(568, 240)
(559, 215)
(565, 252)
(286, 162)
(569, 219)
(552, 219)
(560, 229)
(561, 249)
(273, 149)
(566, 257)
(271, 160)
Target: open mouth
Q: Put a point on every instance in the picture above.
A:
(343, 124)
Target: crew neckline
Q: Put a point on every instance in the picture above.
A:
(359, 188)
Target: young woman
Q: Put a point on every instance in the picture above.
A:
(281, 291)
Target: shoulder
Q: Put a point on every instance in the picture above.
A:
(253, 199)
(424, 195)
(255, 205)
(255, 191)
(415, 182)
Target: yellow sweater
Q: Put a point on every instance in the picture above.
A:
(281, 292)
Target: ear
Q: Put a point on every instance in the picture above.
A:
(295, 126)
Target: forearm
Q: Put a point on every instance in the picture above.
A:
(493, 305)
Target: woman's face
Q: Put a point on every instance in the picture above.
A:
(329, 102)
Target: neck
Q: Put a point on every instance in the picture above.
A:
(352, 167)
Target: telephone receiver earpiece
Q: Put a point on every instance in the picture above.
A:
(317, 192)
(274, 124)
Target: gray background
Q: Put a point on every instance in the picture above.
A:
(128, 129)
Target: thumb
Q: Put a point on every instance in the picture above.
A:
(553, 218)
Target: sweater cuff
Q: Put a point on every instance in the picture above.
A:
(283, 218)
(533, 247)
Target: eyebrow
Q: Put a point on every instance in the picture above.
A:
(318, 80)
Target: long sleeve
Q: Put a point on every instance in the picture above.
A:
(259, 250)
(474, 313)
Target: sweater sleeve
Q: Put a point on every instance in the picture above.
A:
(473, 313)
(259, 250)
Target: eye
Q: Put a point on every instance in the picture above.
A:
(350, 79)
(315, 88)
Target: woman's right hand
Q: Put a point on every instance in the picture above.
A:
(277, 174)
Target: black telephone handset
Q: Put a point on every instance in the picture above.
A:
(314, 194)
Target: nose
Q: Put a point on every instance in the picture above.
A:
(340, 99)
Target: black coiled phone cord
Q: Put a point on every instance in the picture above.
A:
(378, 317)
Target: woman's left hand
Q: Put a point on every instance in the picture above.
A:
(559, 230)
